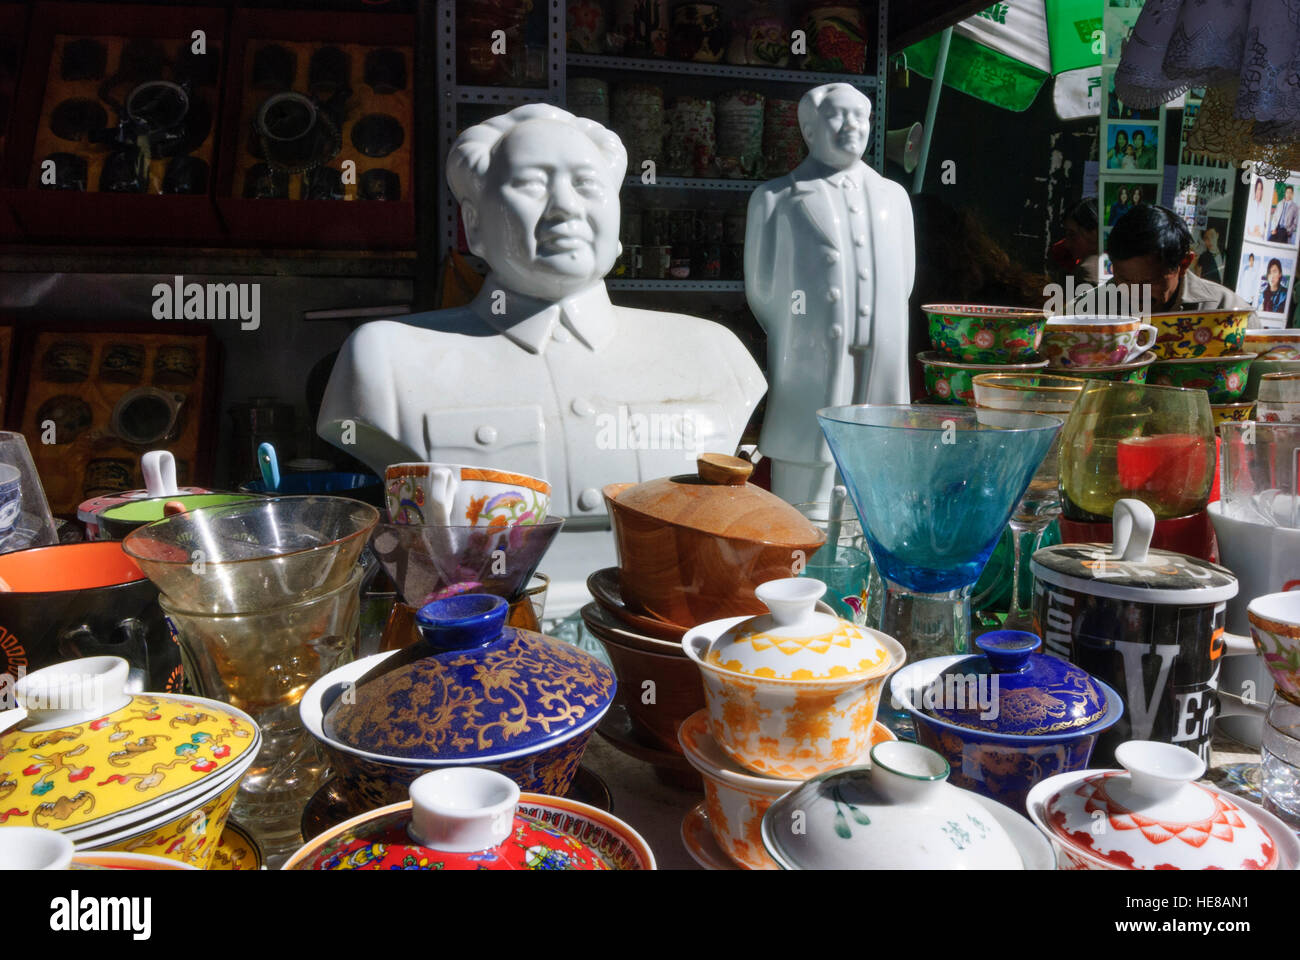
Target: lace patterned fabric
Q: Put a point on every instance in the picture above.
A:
(1247, 51)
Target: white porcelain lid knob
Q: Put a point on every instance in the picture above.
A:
(34, 848)
(791, 600)
(462, 809)
(75, 691)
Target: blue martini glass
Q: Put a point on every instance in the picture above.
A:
(934, 487)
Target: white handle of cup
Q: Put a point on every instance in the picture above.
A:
(1235, 645)
(1139, 347)
(1133, 524)
(159, 469)
(443, 483)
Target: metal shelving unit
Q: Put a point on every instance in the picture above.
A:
(723, 70)
(559, 62)
(679, 286)
(695, 183)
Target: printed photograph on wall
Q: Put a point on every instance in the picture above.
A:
(1284, 221)
(1208, 244)
(1116, 109)
(1274, 283)
(1121, 196)
(1132, 146)
(1259, 209)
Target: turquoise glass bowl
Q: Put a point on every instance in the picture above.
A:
(935, 486)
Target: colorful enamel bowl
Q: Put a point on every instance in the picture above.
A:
(470, 818)
(1275, 628)
(1154, 816)
(1135, 372)
(736, 799)
(472, 692)
(145, 773)
(1213, 333)
(1001, 766)
(950, 381)
(1224, 378)
(1232, 412)
(792, 693)
(1263, 341)
(973, 333)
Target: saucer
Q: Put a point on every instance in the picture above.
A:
(604, 586)
(236, 850)
(698, 839)
(671, 768)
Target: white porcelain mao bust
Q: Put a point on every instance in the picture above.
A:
(541, 374)
(829, 260)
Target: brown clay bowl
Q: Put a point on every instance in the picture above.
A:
(657, 683)
(606, 587)
(683, 575)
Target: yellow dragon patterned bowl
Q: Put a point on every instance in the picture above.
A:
(793, 693)
(143, 773)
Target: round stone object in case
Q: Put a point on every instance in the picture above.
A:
(380, 185)
(122, 363)
(66, 361)
(263, 183)
(76, 118)
(185, 175)
(377, 135)
(323, 183)
(385, 70)
(125, 171)
(83, 59)
(274, 68)
(70, 172)
(328, 71)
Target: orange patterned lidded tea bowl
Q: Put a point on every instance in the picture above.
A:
(794, 692)
(142, 773)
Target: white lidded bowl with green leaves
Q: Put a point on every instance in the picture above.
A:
(900, 813)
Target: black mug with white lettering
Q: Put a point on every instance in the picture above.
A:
(1150, 623)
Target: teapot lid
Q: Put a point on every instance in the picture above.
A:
(1153, 815)
(794, 641)
(718, 499)
(472, 688)
(899, 813)
(1011, 689)
(80, 750)
(460, 818)
(1129, 569)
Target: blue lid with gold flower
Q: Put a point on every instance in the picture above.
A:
(473, 688)
(1012, 689)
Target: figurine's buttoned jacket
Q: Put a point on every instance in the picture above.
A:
(829, 263)
(579, 391)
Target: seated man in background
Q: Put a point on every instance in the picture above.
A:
(1151, 249)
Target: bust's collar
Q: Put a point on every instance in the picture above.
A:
(530, 322)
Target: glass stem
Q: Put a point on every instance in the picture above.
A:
(1021, 616)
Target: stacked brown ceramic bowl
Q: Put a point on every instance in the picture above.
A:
(691, 549)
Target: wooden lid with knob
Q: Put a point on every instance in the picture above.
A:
(718, 499)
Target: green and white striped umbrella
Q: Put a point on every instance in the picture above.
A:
(1005, 53)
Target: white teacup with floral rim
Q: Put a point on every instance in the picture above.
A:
(1096, 340)
(459, 494)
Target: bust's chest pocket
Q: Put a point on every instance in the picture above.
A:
(512, 437)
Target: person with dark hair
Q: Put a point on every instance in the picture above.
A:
(1151, 248)
(1273, 297)
(1209, 265)
(1115, 158)
(1287, 218)
(1078, 252)
(1145, 155)
(1121, 206)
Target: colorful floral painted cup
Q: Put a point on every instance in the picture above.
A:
(1090, 340)
(1262, 341)
(1209, 334)
(1233, 412)
(952, 381)
(453, 493)
(1223, 378)
(1275, 628)
(981, 334)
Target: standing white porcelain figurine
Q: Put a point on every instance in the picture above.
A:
(541, 374)
(829, 260)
